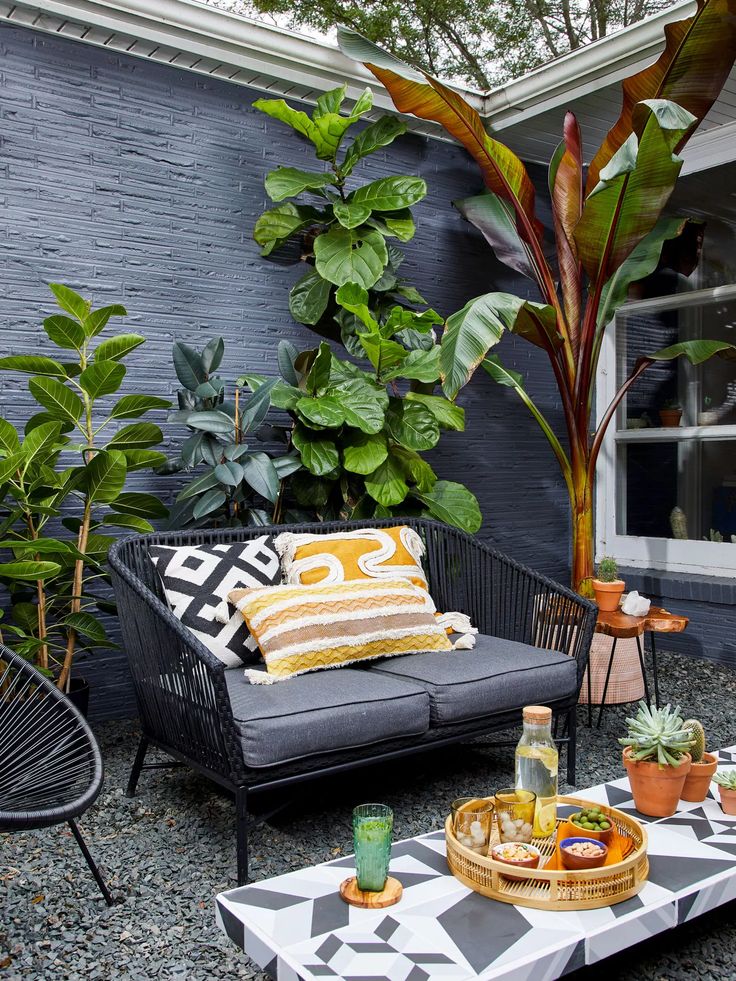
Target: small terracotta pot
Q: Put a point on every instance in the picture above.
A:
(698, 779)
(670, 417)
(608, 594)
(728, 800)
(656, 790)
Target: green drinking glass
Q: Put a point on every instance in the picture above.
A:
(372, 828)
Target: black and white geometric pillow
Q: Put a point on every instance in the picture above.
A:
(197, 579)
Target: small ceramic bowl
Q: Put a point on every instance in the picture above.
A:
(529, 863)
(601, 836)
(575, 862)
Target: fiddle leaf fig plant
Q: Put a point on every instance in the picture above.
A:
(347, 234)
(62, 483)
(360, 440)
(236, 482)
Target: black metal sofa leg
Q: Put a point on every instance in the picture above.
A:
(91, 862)
(572, 724)
(140, 757)
(241, 822)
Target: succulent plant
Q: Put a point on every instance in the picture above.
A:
(726, 778)
(607, 569)
(697, 749)
(657, 735)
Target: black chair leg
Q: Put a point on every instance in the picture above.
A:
(241, 822)
(137, 766)
(608, 678)
(571, 727)
(91, 862)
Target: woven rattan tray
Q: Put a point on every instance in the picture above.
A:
(561, 890)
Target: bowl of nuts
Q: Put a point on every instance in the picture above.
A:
(520, 854)
(582, 853)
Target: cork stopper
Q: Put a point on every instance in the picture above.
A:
(537, 715)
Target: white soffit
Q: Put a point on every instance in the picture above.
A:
(527, 112)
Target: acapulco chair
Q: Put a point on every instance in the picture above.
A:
(50, 763)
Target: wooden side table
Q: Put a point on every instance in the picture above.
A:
(621, 626)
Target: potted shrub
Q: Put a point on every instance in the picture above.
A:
(670, 414)
(657, 759)
(702, 767)
(726, 780)
(607, 586)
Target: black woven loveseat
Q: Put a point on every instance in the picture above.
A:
(533, 646)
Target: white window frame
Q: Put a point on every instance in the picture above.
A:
(659, 554)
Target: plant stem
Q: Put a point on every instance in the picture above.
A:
(76, 598)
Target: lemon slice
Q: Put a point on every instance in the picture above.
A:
(546, 818)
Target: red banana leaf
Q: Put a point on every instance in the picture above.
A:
(566, 191)
(691, 71)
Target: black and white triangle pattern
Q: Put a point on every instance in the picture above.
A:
(197, 579)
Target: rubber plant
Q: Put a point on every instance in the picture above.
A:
(609, 232)
(359, 432)
(63, 484)
(235, 483)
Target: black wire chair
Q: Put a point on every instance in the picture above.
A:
(50, 763)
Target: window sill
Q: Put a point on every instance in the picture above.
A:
(681, 586)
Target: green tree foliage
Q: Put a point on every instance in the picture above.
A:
(478, 43)
(62, 484)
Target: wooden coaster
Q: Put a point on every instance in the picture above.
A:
(390, 894)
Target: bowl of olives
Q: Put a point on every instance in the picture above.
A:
(592, 822)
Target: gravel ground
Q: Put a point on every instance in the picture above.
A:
(167, 852)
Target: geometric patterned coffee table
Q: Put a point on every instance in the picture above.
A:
(297, 928)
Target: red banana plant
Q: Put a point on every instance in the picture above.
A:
(608, 228)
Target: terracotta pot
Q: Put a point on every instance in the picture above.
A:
(656, 790)
(608, 594)
(728, 800)
(698, 779)
(670, 417)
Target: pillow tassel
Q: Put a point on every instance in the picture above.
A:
(259, 677)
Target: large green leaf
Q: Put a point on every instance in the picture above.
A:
(386, 484)
(33, 364)
(642, 261)
(9, 440)
(130, 521)
(416, 469)
(379, 134)
(260, 473)
(318, 376)
(208, 503)
(325, 130)
(695, 351)
(211, 421)
(10, 465)
(64, 332)
(276, 226)
(29, 570)
(286, 355)
(412, 424)
(229, 473)
(115, 348)
(386, 356)
(330, 102)
(390, 193)
(102, 378)
(70, 301)
(447, 414)
(363, 403)
(144, 505)
(188, 366)
(418, 365)
(691, 71)
(288, 182)
(350, 255)
(41, 441)
(97, 320)
(319, 455)
(398, 224)
(454, 504)
(106, 473)
(322, 412)
(88, 625)
(137, 436)
(144, 459)
(635, 185)
(199, 485)
(495, 219)
(309, 297)
(362, 452)
(54, 396)
(351, 215)
(424, 96)
(354, 298)
(212, 354)
(132, 406)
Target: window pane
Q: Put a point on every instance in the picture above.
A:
(677, 489)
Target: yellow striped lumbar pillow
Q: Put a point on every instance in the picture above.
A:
(308, 628)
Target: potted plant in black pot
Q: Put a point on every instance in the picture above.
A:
(62, 487)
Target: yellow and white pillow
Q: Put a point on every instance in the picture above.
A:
(301, 628)
(369, 553)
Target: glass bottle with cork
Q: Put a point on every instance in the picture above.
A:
(536, 766)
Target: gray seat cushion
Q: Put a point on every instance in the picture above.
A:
(323, 712)
(496, 675)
